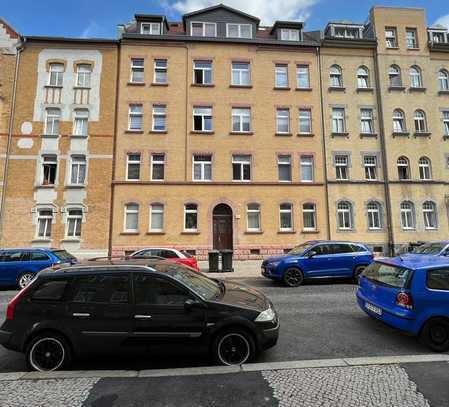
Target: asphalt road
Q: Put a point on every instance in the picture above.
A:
(319, 320)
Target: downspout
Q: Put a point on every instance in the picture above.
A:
(186, 141)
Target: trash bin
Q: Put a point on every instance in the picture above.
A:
(213, 261)
(226, 261)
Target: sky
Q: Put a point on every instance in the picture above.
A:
(99, 18)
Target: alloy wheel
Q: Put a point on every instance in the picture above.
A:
(293, 277)
(25, 279)
(438, 334)
(47, 354)
(233, 349)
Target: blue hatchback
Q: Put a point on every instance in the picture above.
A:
(318, 259)
(19, 266)
(410, 293)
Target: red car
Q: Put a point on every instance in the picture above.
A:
(174, 255)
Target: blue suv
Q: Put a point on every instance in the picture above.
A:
(19, 266)
(318, 259)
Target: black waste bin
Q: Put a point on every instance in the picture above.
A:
(226, 261)
(214, 256)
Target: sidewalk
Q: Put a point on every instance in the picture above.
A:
(242, 269)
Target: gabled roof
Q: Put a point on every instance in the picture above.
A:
(220, 6)
(11, 32)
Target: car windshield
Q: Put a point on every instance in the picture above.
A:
(387, 274)
(301, 248)
(63, 255)
(430, 248)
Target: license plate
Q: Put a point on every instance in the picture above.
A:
(373, 308)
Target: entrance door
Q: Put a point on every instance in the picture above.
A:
(222, 227)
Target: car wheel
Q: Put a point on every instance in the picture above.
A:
(358, 270)
(25, 279)
(48, 352)
(293, 277)
(233, 347)
(435, 334)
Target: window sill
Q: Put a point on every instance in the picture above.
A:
(281, 88)
(50, 135)
(202, 132)
(396, 88)
(53, 87)
(408, 230)
(253, 232)
(337, 89)
(158, 132)
(159, 84)
(412, 89)
(156, 233)
(304, 89)
(190, 232)
(202, 85)
(241, 86)
(283, 134)
(345, 134)
(136, 83)
(422, 134)
(241, 133)
(412, 49)
(75, 186)
(80, 136)
(130, 233)
(39, 186)
(133, 131)
(286, 232)
(443, 92)
(306, 135)
(41, 240)
(310, 231)
(401, 134)
(391, 48)
(361, 90)
(368, 135)
(71, 240)
(82, 88)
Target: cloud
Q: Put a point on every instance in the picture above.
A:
(267, 11)
(92, 30)
(444, 20)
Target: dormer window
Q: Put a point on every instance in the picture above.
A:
(437, 36)
(288, 34)
(203, 29)
(238, 31)
(150, 29)
(346, 32)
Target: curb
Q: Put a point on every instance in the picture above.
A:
(209, 370)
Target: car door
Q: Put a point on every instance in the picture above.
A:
(342, 260)
(38, 260)
(319, 264)
(12, 266)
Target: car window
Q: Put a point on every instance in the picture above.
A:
(321, 249)
(168, 254)
(339, 248)
(13, 256)
(386, 274)
(38, 256)
(151, 290)
(104, 288)
(438, 279)
(429, 248)
(64, 255)
(357, 248)
(50, 291)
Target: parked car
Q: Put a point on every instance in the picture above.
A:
(19, 266)
(130, 305)
(411, 294)
(318, 259)
(177, 256)
(435, 248)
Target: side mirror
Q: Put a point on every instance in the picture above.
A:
(191, 304)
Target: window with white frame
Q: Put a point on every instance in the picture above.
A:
(344, 215)
(362, 77)
(202, 118)
(290, 34)
(200, 29)
(407, 215)
(338, 120)
(391, 37)
(238, 30)
(437, 37)
(399, 121)
(429, 211)
(282, 120)
(443, 80)
(157, 167)
(305, 121)
(341, 167)
(191, 217)
(160, 71)
(74, 222)
(133, 167)
(336, 76)
(285, 168)
(44, 222)
(159, 118)
(347, 32)
(202, 72)
(131, 223)
(56, 75)
(83, 75)
(202, 167)
(415, 77)
(135, 117)
(241, 119)
(445, 114)
(150, 28)
(403, 168)
(302, 77)
(80, 122)
(78, 170)
(240, 74)
(373, 211)
(366, 121)
(411, 37)
(49, 169)
(156, 217)
(285, 217)
(253, 217)
(137, 70)
(425, 169)
(420, 122)
(281, 76)
(306, 168)
(394, 76)
(370, 165)
(241, 167)
(309, 216)
(52, 120)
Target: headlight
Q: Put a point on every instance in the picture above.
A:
(274, 264)
(266, 316)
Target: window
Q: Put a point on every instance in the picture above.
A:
(338, 120)
(131, 217)
(443, 80)
(202, 167)
(74, 221)
(403, 168)
(336, 77)
(241, 167)
(238, 30)
(344, 215)
(150, 290)
(390, 37)
(159, 117)
(283, 121)
(362, 77)
(49, 169)
(101, 288)
(394, 76)
(52, 119)
(135, 118)
(374, 215)
(240, 74)
(420, 122)
(285, 168)
(415, 77)
(438, 279)
(305, 121)
(241, 120)
(52, 290)
(38, 256)
(56, 75)
(203, 29)
(407, 215)
(306, 164)
(302, 77)
(202, 119)
(341, 167)
(137, 70)
(446, 122)
(150, 29)
(429, 212)
(281, 76)
(83, 74)
(160, 71)
(78, 170)
(202, 72)
(425, 169)
(370, 165)
(346, 32)
(44, 222)
(412, 38)
(157, 167)
(133, 167)
(366, 121)
(191, 217)
(80, 122)
(309, 216)
(399, 121)
(253, 217)
(288, 34)
(286, 217)
(156, 217)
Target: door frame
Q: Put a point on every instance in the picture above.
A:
(211, 222)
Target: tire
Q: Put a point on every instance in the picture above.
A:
(358, 270)
(435, 334)
(48, 352)
(225, 347)
(24, 280)
(293, 277)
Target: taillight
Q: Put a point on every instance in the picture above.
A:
(404, 300)
(12, 304)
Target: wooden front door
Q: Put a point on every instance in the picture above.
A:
(222, 227)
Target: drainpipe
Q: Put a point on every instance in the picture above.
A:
(186, 141)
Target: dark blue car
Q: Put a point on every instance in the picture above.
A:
(318, 259)
(410, 293)
(19, 266)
